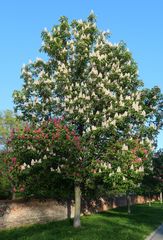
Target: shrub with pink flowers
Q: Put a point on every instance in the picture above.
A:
(10, 170)
(52, 149)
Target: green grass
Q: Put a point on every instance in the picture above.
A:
(112, 225)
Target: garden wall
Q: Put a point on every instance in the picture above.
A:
(19, 213)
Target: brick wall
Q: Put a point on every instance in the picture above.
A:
(19, 213)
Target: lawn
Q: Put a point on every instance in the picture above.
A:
(115, 224)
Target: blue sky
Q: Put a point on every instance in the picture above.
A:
(136, 22)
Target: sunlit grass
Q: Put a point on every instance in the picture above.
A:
(112, 225)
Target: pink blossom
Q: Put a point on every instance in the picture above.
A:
(145, 151)
(39, 130)
(27, 128)
(138, 160)
(67, 137)
(57, 135)
(21, 189)
(13, 160)
(11, 168)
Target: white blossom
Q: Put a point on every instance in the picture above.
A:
(118, 169)
(94, 128)
(40, 161)
(143, 113)
(39, 59)
(135, 106)
(132, 167)
(58, 170)
(153, 126)
(88, 129)
(128, 98)
(32, 162)
(36, 82)
(116, 115)
(141, 169)
(125, 114)
(124, 147)
(23, 166)
(111, 174)
(109, 166)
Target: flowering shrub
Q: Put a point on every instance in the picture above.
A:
(51, 149)
(10, 170)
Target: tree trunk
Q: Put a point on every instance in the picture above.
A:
(161, 197)
(77, 206)
(128, 204)
(13, 196)
(149, 199)
(69, 208)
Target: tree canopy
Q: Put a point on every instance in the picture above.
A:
(95, 86)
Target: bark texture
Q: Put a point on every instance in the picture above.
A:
(77, 206)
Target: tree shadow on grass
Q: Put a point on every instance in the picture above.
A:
(142, 216)
(139, 214)
(89, 231)
(111, 225)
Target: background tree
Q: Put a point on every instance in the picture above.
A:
(152, 182)
(8, 121)
(149, 185)
(158, 170)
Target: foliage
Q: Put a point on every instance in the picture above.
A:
(43, 155)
